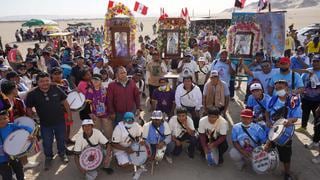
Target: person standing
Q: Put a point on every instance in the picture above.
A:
(155, 71)
(47, 100)
(50, 61)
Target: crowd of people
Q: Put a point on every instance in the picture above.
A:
(193, 112)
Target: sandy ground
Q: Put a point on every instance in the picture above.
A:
(183, 167)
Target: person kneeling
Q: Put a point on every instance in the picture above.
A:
(213, 133)
(182, 129)
(91, 138)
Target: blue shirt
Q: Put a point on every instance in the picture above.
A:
(4, 133)
(295, 64)
(223, 69)
(311, 94)
(256, 132)
(293, 112)
(265, 78)
(253, 104)
(288, 77)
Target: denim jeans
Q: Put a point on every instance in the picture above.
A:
(48, 133)
(231, 86)
(176, 150)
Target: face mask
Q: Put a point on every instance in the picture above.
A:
(128, 125)
(284, 69)
(281, 93)
(163, 88)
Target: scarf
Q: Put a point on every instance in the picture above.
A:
(153, 136)
(215, 98)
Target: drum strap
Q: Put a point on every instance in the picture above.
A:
(246, 131)
(130, 136)
(89, 142)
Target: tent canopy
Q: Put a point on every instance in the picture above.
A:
(39, 22)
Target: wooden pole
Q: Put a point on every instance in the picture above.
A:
(269, 6)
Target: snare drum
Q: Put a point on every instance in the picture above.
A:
(213, 157)
(91, 158)
(140, 155)
(280, 134)
(17, 143)
(26, 121)
(160, 153)
(263, 162)
(76, 101)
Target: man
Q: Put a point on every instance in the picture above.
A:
(163, 98)
(216, 93)
(300, 60)
(311, 96)
(75, 72)
(224, 66)
(155, 70)
(182, 130)
(246, 136)
(7, 164)
(157, 133)
(213, 133)
(50, 61)
(284, 105)
(188, 67)
(264, 76)
(289, 44)
(98, 65)
(203, 70)
(91, 137)
(139, 61)
(123, 96)
(49, 100)
(188, 95)
(14, 57)
(258, 102)
(124, 134)
(294, 80)
(316, 136)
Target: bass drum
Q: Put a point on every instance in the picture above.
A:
(140, 155)
(91, 158)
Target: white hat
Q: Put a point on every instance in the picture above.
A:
(87, 122)
(214, 73)
(202, 59)
(255, 86)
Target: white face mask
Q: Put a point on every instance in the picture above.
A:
(163, 87)
(128, 125)
(281, 92)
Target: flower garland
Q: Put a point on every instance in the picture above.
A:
(244, 27)
(116, 10)
(172, 24)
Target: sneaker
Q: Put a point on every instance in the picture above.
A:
(108, 170)
(316, 160)
(288, 177)
(64, 158)
(31, 165)
(312, 145)
(47, 163)
(301, 130)
(169, 159)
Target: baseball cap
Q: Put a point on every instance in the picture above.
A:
(87, 122)
(187, 52)
(128, 116)
(55, 70)
(255, 86)
(281, 81)
(214, 73)
(284, 60)
(246, 113)
(157, 115)
(96, 77)
(316, 58)
(99, 59)
(202, 59)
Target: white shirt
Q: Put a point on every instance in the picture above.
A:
(96, 138)
(202, 74)
(219, 128)
(120, 134)
(208, 57)
(188, 69)
(97, 70)
(176, 129)
(146, 127)
(192, 99)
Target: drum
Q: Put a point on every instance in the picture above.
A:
(140, 155)
(213, 157)
(76, 101)
(263, 162)
(91, 158)
(280, 134)
(26, 121)
(160, 153)
(17, 143)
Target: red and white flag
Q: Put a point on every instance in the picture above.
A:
(185, 14)
(111, 4)
(263, 4)
(140, 8)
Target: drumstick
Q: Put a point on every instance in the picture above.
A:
(72, 101)
(138, 153)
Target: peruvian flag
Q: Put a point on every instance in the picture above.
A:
(185, 14)
(263, 4)
(138, 7)
(111, 4)
(239, 3)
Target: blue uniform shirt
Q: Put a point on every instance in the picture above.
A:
(253, 104)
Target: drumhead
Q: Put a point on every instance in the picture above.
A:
(260, 160)
(17, 143)
(275, 132)
(91, 158)
(140, 155)
(25, 121)
(76, 100)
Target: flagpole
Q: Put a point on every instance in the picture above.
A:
(269, 6)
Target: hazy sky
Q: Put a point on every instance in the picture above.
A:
(99, 7)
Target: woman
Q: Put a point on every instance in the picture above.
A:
(83, 87)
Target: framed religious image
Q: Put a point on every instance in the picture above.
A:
(121, 44)
(243, 44)
(172, 44)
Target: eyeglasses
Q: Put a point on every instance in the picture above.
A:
(46, 97)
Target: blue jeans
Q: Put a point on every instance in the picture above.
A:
(48, 133)
(176, 150)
